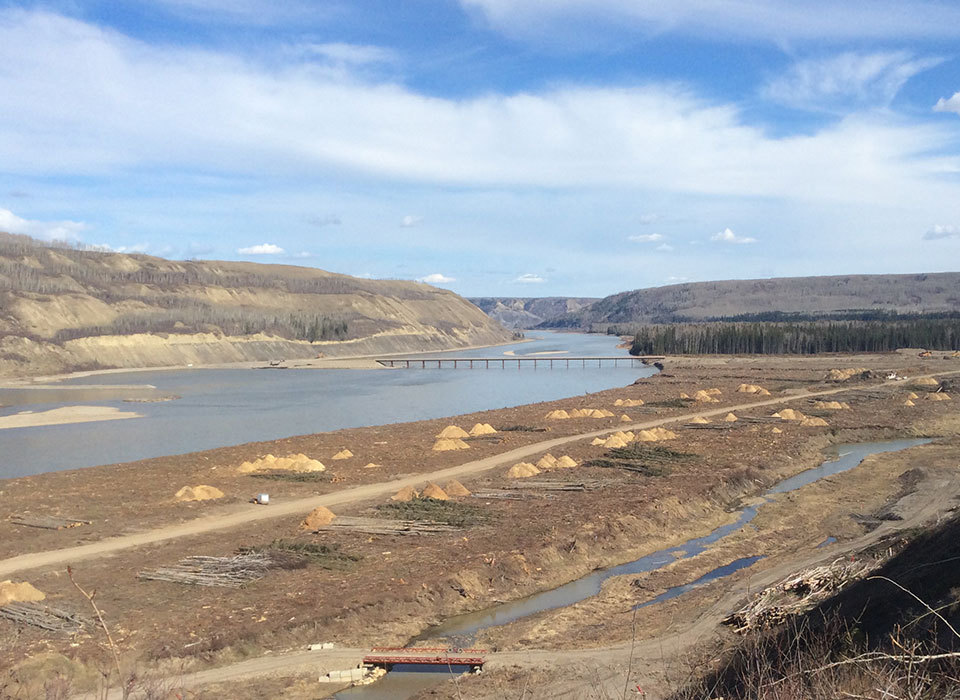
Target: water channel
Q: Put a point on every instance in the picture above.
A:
(221, 407)
(460, 631)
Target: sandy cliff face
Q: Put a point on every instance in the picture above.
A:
(62, 310)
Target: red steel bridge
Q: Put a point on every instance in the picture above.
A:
(425, 656)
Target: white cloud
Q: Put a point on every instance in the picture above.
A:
(728, 236)
(676, 280)
(948, 105)
(436, 278)
(352, 54)
(261, 249)
(302, 254)
(665, 247)
(646, 237)
(837, 81)
(105, 248)
(939, 231)
(78, 98)
(410, 220)
(764, 20)
(530, 278)
(42, 230)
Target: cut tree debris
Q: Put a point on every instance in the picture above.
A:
(43, 617)
(382, 526)
(48, 522)
(230, 572)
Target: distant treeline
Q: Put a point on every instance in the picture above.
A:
(205, 319)
(802, 338)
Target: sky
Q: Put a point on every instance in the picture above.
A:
(491, 147)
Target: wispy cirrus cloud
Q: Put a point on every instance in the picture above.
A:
(530, 278)
(646, 237)
(939, 232)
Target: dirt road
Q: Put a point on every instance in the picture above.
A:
(234, 517)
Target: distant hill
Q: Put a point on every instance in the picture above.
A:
(768, 299)
(527, 312)
(63, 309)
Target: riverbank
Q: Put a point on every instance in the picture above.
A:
(398, 586)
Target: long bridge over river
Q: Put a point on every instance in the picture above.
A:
(517, 361)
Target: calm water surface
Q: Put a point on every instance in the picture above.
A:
(231, 406)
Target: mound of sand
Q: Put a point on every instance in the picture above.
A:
(699, 420)
(626, 419)
(613, 441)
(814, 422)
(627, 403)
(318, 517)
(684, 396)
(559, 414)
(842, 375)
(448, 445)
(776, 431)
(655, 435)
(789, 414)
(597, 441)
(714, 391)
(752, 389)
(343, 454)
(730, 418)
(703, 397)
(925, 381)
(455, 489)
(482, 429)
(548, 461)
(370, 465)
(198, 493)
(937, 396)
(452, 432)
(293, 463)
(407, 493)
(522, 470)
(435, 492)
(566, 462)
(831, 405)
(908, 402)
(23, 592)
(604, 413)
(911, 395)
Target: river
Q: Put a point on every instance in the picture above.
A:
(220, 407)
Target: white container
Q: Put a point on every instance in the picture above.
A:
(263, 498)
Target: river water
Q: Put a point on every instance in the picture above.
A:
(222, 407)
(461, 631)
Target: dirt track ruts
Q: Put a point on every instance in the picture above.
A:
(245, 514)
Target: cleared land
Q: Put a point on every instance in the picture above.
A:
(398, 585)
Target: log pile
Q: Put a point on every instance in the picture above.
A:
(797, 594)
(583, 485)
(229, 572)
(47, 522)
(383, 526)
(43, 617)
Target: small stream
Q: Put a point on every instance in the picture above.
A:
(463, 629)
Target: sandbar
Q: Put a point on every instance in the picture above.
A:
(65, 416)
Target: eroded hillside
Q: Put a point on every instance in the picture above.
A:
(63, 309)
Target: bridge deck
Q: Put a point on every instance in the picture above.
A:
(505, 361)
(425, 656)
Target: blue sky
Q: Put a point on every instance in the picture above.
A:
(493, 147)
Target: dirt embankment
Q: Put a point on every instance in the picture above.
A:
(391, 587)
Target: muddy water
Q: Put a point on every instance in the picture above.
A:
(461, 630)
(231, 406)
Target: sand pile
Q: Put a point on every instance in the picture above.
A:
(522, 470)
(613, 441)
(789, 414)
(776, 431)
(404, 495)
(842, 375)
(482, 429)
(455, 489)
(714, 391)
(626, 419)
(597, 441)
(752, 389)
(370, 465)
(548, 461)
(625, 436)
(198, 493)
(938, 396)
(730, 418)
(814, 422)
(655, 435)
(343, 454)
(317, 518)
(908, 402)
(627, 403)
(435, 492)
(24, 592)
(448, 445)
(566, 462)
(452, 432)
(293, 463)
(925, 381)
(704, 397)
(559, 414)
(684, 396)
(831, 405)
(911, 395)
(699, 420)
